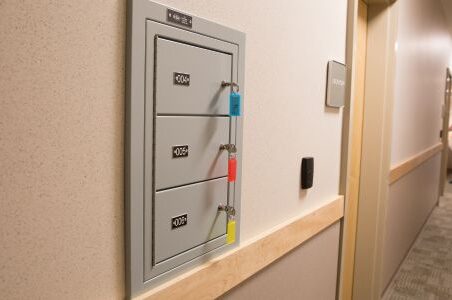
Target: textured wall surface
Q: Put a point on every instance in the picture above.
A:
(61, 149)
(422, 56)
(61, 132)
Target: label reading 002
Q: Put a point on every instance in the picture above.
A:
(180, 151)
(179, 221)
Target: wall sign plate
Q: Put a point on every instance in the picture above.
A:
(336, 84)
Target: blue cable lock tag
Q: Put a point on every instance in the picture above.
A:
(234, 104)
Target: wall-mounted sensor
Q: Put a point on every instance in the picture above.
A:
(307, 172)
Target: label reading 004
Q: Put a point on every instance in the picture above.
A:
(181, 79)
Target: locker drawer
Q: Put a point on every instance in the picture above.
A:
(189, 79)
(188, 216)
(188, 150)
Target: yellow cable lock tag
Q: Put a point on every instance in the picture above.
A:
(230, 236)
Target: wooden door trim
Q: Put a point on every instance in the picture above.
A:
(445, 133)
(375, 152)
(376, 149)
(353, 120)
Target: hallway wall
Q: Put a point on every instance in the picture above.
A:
(298, 273)
(61, 133)
(422, 56)
(411, 200)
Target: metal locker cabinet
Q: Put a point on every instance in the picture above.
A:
(176, 64)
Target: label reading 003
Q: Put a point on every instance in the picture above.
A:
(179, 221)
(180, 151)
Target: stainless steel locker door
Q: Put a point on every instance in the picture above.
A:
(199, 90)
(199, 204)
(201, 137)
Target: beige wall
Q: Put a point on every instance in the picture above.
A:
(422, 56)
(61, 149)
(61, 132)
(410, 202)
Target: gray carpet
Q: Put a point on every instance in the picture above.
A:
(448, 185)
(426, 273)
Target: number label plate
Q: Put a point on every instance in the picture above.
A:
(179, 18)
(179, 221)
(180, 151)
(181, 79)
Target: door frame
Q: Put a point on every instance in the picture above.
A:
(445, 133)
(363, 224)
(352, 137)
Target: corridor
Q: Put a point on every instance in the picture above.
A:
(225, 149)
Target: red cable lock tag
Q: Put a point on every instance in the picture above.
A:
(232, 168)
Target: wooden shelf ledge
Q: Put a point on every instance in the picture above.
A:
(413, 162)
